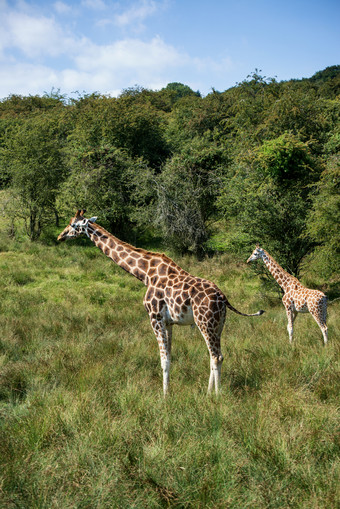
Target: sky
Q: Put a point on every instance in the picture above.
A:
(106, 46)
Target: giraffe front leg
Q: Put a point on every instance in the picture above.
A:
(164, 343)
(163, 334)
(323, 313)
(291, 315)
(165, 363)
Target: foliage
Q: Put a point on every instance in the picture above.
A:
(287, 161)
(107, 180)
(162, 161)
(31, 157)
(326, 74)
(135, 124)
(18, 105)
(181, 90)
(324, 219)
(187, 190)
(269, 194)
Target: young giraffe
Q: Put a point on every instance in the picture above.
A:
(297, 298)
(173, 295)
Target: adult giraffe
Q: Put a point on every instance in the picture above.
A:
(297, 298)
(173, 295)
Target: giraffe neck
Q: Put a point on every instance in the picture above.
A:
(140, 263)
(279, 274)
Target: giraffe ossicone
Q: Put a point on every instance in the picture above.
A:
(297, 298)
(173, 296)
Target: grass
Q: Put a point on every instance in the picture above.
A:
(83, 420)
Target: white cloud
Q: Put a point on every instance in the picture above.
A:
(52, 56)
(122, 64)
(26, 79)
(34, 36)
(94, 4)
(62, 8)
(130, 54)
(137, 13)
(106, 69)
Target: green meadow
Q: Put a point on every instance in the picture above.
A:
(83, 420)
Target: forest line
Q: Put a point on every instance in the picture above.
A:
(258, 162)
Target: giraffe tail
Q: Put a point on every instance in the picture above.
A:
(229, 306)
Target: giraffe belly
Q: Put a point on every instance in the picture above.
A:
(180, 317)
(300, 307)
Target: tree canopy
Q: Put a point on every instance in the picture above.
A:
(258, 162)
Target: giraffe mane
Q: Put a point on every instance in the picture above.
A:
(276, 263)
(138, 249)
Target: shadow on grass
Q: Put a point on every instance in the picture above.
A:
(242, 384)
(13, 383)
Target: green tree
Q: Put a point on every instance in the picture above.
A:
(32, 157)
(287, 161)
(136, 125)
(22, 106)
(130, 122)
(187, 189)
(108, 181)
(323, 224)
(181, 90)
(269, 195)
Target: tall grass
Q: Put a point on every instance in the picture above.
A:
(83, 420)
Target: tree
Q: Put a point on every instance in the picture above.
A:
(324, 217)
(130, 122)
(32, 157)
(187, 189)
(288, 162)
(270, 197)
(181, 90)
(108, 181)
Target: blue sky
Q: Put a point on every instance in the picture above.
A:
(108, 45)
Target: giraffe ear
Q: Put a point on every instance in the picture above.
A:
(93, 219)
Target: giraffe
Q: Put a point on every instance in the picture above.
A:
(297, 298)
(173, 295)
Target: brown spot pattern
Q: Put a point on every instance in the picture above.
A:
(173, 295)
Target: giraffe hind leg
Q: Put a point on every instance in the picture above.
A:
(212, 339)
(320, 317)
(215, 371)
(325, 335)
(215, 374)
(211, 378)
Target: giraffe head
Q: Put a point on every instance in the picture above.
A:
(256, 254)
(77, 226)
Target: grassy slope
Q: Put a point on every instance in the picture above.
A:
(83, 420)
